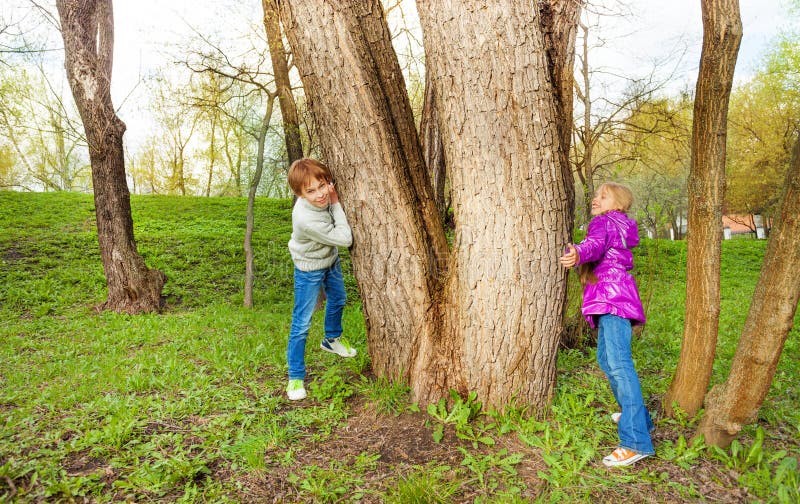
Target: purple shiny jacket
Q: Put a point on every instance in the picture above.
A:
(608, 244)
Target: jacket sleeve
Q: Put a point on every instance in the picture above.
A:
(593, 247)
(336, 234)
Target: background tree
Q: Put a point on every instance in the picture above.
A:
(606, 102)
(655, 139)
(87, 27)
(257, 78)
(736, 402)
(764, 116)
(280, 69)
(722, 33)
(473, 318)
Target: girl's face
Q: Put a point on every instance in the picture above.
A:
(316, 192)
(603, 202)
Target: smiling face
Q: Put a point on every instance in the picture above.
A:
(603, 202)
(316, 192)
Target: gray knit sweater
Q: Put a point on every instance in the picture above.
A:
(316, 234)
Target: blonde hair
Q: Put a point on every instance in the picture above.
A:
(305, 171)
(622, 194)
(623, 199)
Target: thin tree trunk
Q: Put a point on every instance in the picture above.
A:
(280, 69)
(87, 27)
(212, 153)
(476, 319)
(736, 402)
(722, 33)
(249, 275)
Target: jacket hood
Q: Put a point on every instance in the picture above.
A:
(628, 229)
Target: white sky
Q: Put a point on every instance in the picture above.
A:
(146, 32)
(144, 29)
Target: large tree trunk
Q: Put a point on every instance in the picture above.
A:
(280, 69)
(87, 27)
(736, 402)
(722, 32)
(488, 317)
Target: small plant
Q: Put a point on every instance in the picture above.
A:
(460, 415)
(683, 453)
(426, 485)
(389, 396)
(486, 467)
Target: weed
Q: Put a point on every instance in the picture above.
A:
(389, 396)
(484, 467)
(459, 415)
(426, 485)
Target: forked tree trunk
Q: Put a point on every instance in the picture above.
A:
(722, 32)
(432, 150)
(87, 27)
(736, 402)
(486, 317)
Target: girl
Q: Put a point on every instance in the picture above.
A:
(611, 303)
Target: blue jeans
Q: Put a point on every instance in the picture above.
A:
(307, 285)
(614, 357)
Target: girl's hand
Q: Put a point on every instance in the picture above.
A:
(570, 257)
(332, 194)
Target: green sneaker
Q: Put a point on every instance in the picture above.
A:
(296, 390)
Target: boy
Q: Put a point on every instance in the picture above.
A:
(319, 226)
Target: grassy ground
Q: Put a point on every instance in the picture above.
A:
(189, 406)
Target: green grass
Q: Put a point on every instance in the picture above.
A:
(189, 405)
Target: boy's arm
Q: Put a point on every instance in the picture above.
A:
(337, 234)
(593, 246)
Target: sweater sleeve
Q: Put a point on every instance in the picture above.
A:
(337, 233)
(593, 247)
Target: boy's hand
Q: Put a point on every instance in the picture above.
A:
(570, 257)
(332, 195)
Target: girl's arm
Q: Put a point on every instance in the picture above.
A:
(593, 247)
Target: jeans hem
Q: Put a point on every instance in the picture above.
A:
(641, 452)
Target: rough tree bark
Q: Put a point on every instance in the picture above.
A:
(87, 27)
(736, 402)
(722, 32)
(432, 150)
(487, 316)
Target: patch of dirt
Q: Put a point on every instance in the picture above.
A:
(404, 443)
(12, 254)
(83, 464)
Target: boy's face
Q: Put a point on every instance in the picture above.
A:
(316, 192)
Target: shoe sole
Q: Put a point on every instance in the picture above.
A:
(626, 462)
(300, 398)
(337, 353)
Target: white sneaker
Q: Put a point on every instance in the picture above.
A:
(338, 346)
(616, 416)
(296, 390)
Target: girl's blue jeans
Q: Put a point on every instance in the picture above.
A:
(614, 357)
(307, 285)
